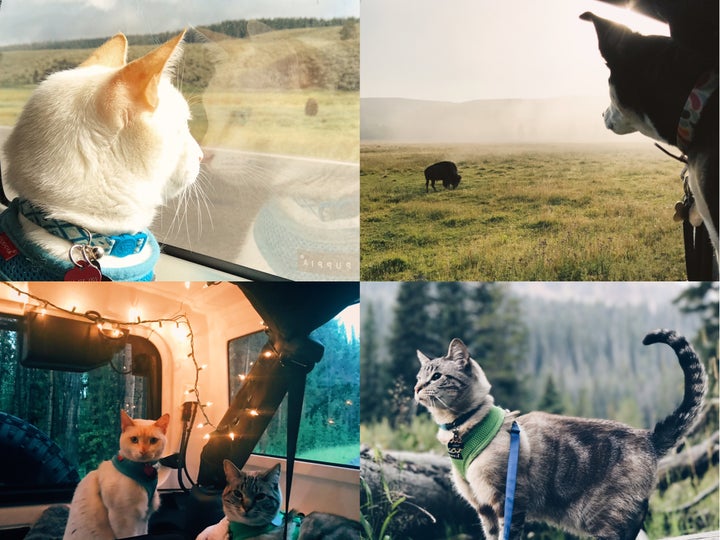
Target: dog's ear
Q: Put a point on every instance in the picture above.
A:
(612, 36)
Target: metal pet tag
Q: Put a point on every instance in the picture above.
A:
(83, 271)
(86, 268)
(455, 445)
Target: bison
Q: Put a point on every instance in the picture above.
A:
(443, 170)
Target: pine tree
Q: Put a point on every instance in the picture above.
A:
(453, 319)
(372, 397)
(551, 400)
(411, 331)
(499, 342)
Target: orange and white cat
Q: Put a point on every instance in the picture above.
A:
(99, 147)
(117, 499)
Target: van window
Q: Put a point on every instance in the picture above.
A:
(329, 429)
(74, 417)
(274, 97)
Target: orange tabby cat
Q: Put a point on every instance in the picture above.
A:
(117, 499)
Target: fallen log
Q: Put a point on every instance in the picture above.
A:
(420, 488)
(693, 461)
(431, 508)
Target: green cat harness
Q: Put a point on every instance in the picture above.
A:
(463, 450)
(240, 531)
(144, 473)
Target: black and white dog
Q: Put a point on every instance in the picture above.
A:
(667, 90)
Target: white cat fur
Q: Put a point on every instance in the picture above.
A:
(101, 148)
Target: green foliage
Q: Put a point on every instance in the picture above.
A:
(331, 408)
(420, 435)
(521, 213)
(686, 507)
(78, 411)
(377, 516)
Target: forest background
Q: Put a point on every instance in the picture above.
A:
(575, 354)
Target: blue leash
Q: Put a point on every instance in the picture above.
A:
(511, 479)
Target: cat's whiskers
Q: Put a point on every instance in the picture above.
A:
(193, 196)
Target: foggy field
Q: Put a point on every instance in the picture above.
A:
(521, 213)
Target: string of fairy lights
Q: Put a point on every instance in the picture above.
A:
(115, 328)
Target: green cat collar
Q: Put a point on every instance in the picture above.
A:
(464, 450)
(144, 473)
(240, 531)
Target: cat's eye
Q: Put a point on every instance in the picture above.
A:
(153, 440)
(260, 497)
(238, 493)
(134, 440)
(435, 376)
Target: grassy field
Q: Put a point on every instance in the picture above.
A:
(521, 213)
(247, 94)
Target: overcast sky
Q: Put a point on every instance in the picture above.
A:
(462, 50)
(24, 21)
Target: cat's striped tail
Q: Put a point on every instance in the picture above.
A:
(668, 432)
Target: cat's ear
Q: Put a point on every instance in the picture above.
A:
(112, 53)
(163, 422)
(423, 359)
(273, 474)
(232, 473)
(125, 420)
(457, 351)
(140, 78)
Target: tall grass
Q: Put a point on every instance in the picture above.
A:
(521, 213)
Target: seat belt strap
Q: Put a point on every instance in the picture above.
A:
(296, 392)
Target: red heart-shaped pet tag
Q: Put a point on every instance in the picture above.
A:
(83, 271)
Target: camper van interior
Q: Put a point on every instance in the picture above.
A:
(234, 365)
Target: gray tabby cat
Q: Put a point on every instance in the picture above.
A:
(587, 476)
(251, 502)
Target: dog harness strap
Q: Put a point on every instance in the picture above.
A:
(120, 245)
(511, 479)
(467, 448)
(705, 87)
(144, 473)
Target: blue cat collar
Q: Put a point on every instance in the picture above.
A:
(120, 245)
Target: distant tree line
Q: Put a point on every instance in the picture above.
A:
(570, 358)
(234, 29)
(331, 408)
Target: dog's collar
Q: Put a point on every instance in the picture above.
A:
(120, 245)
(706, 85)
